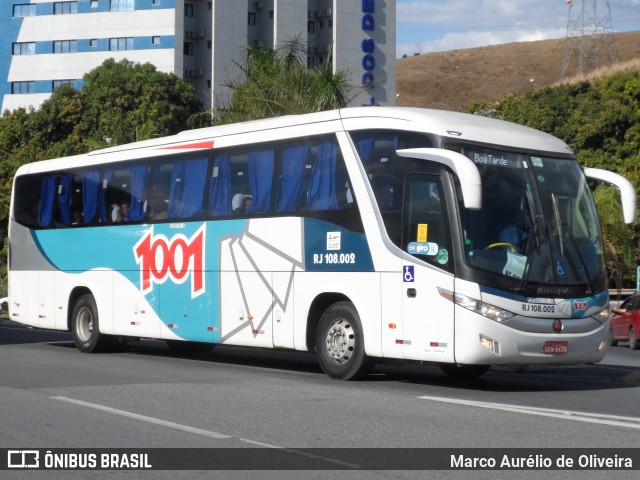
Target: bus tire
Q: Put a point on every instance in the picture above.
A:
(464, 372)
(634, 343)
(340, 343)
(84, 326)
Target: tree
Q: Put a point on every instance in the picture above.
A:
(276, 82)
(123, 99)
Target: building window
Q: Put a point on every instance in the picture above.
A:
(188, 48)
(209, 44)
(155, 40)
(311, 27)
(93, 43)
(24, 10)
(18, 88)
(121, 5)
(155, 2)
(271, 14)
(209, 5)
(252, 18)
(188, 10)
(310, 62)
(209, 83)
(65, 46)
(27, 48)
(330, 23)
(93, 4)
(59, 83)
(124, 43)
(65, 8)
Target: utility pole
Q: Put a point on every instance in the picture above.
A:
(589, 31)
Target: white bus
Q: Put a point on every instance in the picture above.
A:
(364, 234)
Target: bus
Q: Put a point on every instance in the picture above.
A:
(364, 235)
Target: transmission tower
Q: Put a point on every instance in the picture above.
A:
(589, 30)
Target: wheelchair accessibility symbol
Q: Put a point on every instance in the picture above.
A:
(561, 268)
(408, 273)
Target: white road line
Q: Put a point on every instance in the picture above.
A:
(602, 419)
(144, 418)
(196, 431)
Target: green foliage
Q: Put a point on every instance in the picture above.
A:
(276, 82)
(600, 121)
(120, 102)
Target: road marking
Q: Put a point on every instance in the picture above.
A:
(600, 418)
(144, 418)
(196, 431)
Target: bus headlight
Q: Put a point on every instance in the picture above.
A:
(477, 306)
(602, 316)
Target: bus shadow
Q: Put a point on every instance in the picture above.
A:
(12, 333)
(497, 379)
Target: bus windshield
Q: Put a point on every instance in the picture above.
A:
(538, 223)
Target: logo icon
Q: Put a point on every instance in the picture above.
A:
(23, 459)
(557, 326)
(176, 259)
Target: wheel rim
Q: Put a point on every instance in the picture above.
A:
(84, 324)
(340, 341)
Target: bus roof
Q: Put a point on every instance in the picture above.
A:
(455, 125)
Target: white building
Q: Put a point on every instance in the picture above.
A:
(44, 43)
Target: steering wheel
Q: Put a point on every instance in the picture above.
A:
(501, 244)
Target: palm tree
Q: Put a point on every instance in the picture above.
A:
(276, 82)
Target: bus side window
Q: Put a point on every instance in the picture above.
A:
(292, 175)
(188, 183)
(218, 203)
(123, 194)
(27, 200)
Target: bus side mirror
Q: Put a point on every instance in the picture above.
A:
(465, 170)
(627, 192)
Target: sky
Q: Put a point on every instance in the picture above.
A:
(425, 26)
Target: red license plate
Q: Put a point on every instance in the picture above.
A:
(555, 348)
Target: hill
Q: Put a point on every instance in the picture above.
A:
(451, 80)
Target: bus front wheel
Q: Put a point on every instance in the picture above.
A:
(84, 326)
(340, 343)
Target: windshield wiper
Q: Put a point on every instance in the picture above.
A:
(564, 227)
(559, 222)
(535, 221)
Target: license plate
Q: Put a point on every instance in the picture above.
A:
(555, 348)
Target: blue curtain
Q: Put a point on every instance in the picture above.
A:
(90, 187)
(138, 184)
(46, 200)
(103, 195)
(219, 194)
(188, 181)
(322, 188)
(64, 199)
(294, 160)
(260, 166)
(365, 145)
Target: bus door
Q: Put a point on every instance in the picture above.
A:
(428, 318)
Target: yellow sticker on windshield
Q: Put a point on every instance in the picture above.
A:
(422, 232)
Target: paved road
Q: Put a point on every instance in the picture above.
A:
(52, 396)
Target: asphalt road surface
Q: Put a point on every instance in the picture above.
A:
(53, 396)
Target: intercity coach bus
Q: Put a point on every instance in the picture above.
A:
(363, 234)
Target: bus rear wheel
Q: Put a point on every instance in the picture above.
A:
(340, 343)
(84, 326)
